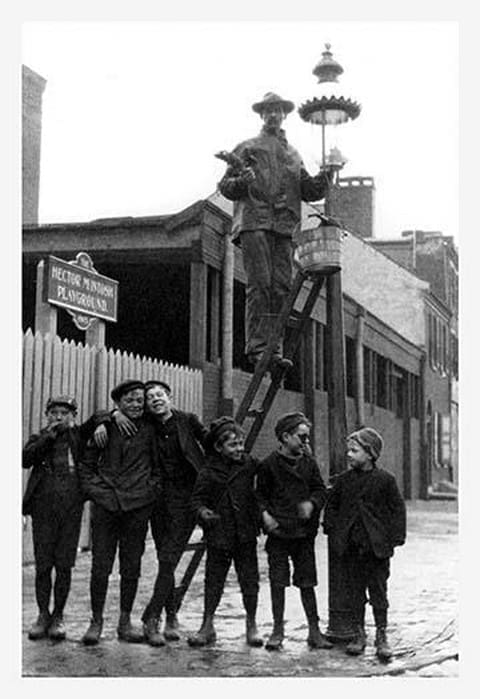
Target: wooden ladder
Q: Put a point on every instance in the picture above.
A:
(298, 324)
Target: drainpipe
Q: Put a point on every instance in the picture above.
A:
(226, 400)
(360, 392)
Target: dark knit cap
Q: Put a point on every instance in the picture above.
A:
(218, 428)
(66, 401)
(125, 387)
(157, 382)
(288, 422)
(370, 440)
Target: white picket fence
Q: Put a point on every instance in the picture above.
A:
(52, 366)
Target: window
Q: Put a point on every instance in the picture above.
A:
(382, 382)
(350, 360)
(319, 356)
(367, 375)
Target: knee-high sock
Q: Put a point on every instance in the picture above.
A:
(250, 602)
(277, 595)
(128, 590)
(309, 602)
(98, 593)
(43, 589)
(161, 590)
(63, 579)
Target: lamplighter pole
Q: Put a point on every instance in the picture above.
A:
(324, 111)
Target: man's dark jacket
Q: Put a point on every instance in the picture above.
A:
(126, 474)
(191, 433)
(39, 451)
(282, 486)
(228, 490)
(378, 502)
(273, 201)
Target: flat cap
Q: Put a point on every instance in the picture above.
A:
(157, 382)
(67, 401)
(125, 387)
(288, 422)
(369, 439)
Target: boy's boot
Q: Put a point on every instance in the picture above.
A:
(357, 645)
(316, 639)
(151, 633)
(56, 630)
(40, 627)
(205, 636)
(253, 637)
(93, 633)
(125, 630)
(170, 632)
(276, 638)
(384, 652)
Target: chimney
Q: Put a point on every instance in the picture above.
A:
(352, 202)
(33, 86)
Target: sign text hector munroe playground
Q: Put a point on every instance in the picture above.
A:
(78, 289)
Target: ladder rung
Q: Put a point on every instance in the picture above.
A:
(194, 546)
(293, 322)
(254, 413)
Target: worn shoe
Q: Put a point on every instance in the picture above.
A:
(56, 630)
(93, 633)
(202, 638)
(151, 633)
(126, 632)
(253, 639)
(358, 644)
(316, 639)
(170, 632)
(276, 640)
(279, 363)
(384, 652)
(40, 627)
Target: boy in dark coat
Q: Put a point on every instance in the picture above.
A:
(123, 481)
(291, 494)
(365, 519)
(54, 500)
(224, 503)
(180, 437)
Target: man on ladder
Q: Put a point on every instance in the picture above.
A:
(267, 191)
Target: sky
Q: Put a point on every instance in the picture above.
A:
(133, 112)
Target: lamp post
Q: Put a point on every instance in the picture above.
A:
(331, 110)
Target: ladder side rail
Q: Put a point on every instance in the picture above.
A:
(262, 366)
(181, 589)
(290, 349)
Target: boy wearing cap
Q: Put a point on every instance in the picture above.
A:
(180, 437)
(224, 504)
(54, 500)
(365, 519)
(267, 195)
(291, 494)
(123, 480)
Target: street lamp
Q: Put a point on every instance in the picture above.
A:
(332, 110)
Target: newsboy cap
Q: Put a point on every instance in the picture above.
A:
(288, 422)
(125, 387)
(67, 401)
(219, 427)
(370, 440)
(155, 382)
(272, 98)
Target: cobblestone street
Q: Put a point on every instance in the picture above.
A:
(423, 620)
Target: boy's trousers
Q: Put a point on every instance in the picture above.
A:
(366, 572)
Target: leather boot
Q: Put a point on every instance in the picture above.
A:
(253, 639)
(56, 630)
(170, 632)
(316, 639)
(205, 637)
(151, 633)
(125, 630)
(357, 645)
(276, 638)
(384, 652)
(93, 633)
(40, 627)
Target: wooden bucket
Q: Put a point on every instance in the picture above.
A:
(320, 249)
